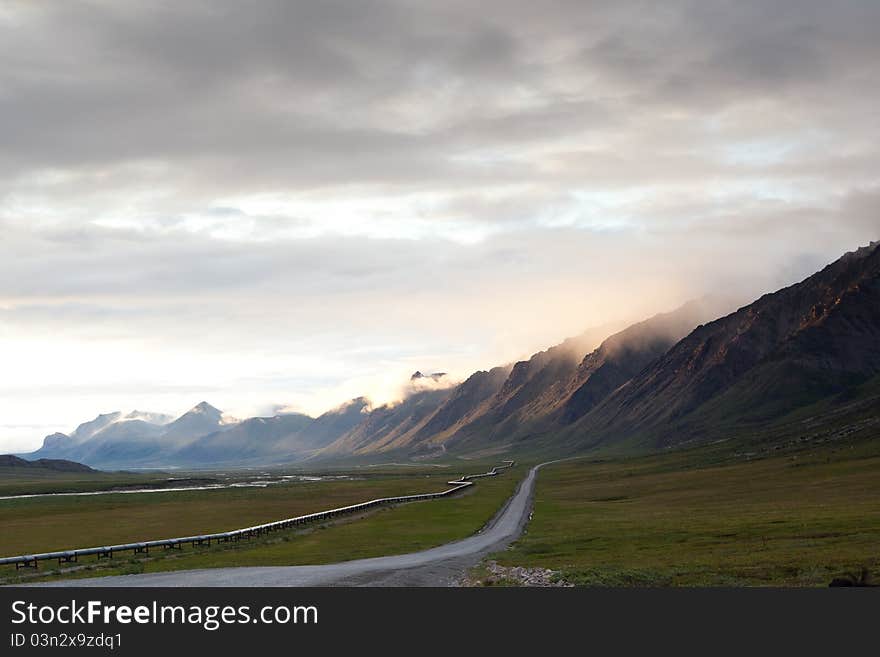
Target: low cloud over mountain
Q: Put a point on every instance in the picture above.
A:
(695, 374)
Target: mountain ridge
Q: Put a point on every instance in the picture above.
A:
(685, 376)
(787, 349)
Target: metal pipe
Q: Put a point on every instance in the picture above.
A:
(106, 552)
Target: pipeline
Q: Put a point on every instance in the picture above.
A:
(246, 533)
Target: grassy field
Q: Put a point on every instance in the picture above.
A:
(15, 481)
(713, 516)
(670, 520)
(42, 524)
(388, 531)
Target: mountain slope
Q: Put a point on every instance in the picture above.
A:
(552, 389)
(88, 429)
(279, 439)
(334, 423)
(265, 438)
(785, 351)
(127, 430)
(95, 436)
(425, 420)
(464, 402)
(199, 421)
(486, 400)
(625, 354)
(390, 425)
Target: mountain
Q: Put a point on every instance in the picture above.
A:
(498, 401)
(429, 415)
(127, 430)
(390, 425)
(508, 402)
(805, 353)
(673, 379)
(151, 418)
(11, 465)
(122, 442)
(530, 386)
(88, 429)
(483, 401)
(57, 442)
(555, 387)
(785, 352)
(107, 427)
(280, 439)
(334, 423)
(269, 438)
(434, 376)
(201, 420)
(137, 438)
(201, 436)
(626, 354)
(464, 403)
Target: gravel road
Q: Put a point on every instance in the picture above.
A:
(439, 566)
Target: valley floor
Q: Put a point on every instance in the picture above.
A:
(684, 518)
(388, 531)
(678, 520)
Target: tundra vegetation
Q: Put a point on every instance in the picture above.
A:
(691, 518)
(40, 524)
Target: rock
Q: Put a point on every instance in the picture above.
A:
(517, 575)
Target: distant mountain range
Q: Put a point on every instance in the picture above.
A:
(201, 437)
(678, 378)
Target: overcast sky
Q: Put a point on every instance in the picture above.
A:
(287, 204)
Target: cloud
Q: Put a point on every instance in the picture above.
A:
(298, 203)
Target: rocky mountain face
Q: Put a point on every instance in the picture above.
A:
(677, 377)
(530, 395)
(557, 386)
(464, 403)
(626, 354)
(425, 420)
(391, 425)
(785, 351)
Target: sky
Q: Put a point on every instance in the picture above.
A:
(284, 205)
